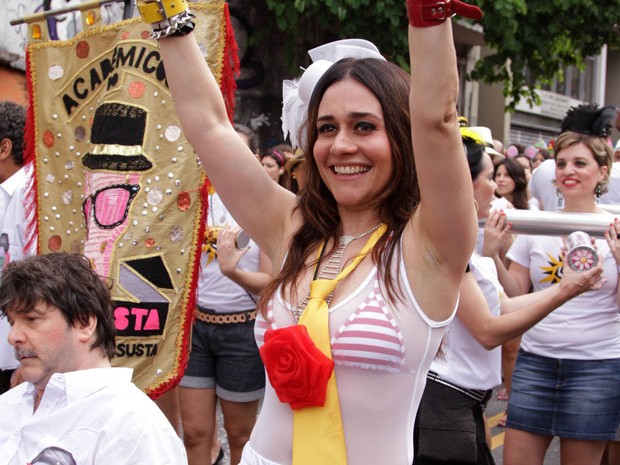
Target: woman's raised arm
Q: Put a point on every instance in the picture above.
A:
(445, 223)
(230, 165)
(447, 206)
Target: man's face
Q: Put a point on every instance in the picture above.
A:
(45, 344)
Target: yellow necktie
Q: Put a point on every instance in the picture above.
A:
(318, 435)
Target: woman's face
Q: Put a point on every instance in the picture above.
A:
(505, 184)
(271, 167)
(538, 159)
(525, 163)
(484, 187)
(576, 171)
(352, 150)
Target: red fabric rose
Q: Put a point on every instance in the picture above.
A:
(297, 369)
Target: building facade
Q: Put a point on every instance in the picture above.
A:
(484, 104)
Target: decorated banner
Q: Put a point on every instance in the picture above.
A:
(116, 179)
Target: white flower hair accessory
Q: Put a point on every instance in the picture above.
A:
(296, 93)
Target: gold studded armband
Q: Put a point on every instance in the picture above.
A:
(167, 17)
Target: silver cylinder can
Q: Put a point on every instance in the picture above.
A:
(582, 256)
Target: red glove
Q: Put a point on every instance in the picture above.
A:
(425, 13)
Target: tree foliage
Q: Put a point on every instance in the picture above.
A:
(312, 22)
(541, 38)
(532, 41)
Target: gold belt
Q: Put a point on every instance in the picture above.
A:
(226, 318)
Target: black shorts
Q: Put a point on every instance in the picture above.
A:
(225, 357)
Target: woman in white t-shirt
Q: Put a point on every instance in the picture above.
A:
(567, 374)
(450, 423)
(512, 179)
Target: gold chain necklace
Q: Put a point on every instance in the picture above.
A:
(331, 268)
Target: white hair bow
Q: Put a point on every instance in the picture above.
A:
(296, 93)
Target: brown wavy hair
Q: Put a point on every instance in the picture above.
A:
(516, 172)
(321, 220)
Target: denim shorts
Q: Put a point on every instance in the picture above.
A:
(575, 399)
(225, 357)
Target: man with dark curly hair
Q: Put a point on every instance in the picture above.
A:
(73, 402)
(13, 178)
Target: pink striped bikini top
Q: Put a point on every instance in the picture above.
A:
(369, 339)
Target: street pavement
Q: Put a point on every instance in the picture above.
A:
(495, 410)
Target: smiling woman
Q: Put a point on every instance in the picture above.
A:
(365, 248)
(572, 357)
(352, 148)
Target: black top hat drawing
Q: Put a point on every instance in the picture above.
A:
(116, 136)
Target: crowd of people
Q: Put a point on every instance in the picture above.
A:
(337, 320)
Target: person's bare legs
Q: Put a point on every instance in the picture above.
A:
(168, 403)
(198, 419)
(510, 350)
(581, 452)
(216, 445)
(239, 419)
(523, 448)
(612, 453)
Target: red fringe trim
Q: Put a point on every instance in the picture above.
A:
(183, 354)
(231, 66)
(31, 197)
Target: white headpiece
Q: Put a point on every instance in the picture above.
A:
(296, 93)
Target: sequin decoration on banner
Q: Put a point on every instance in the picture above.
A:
(55, 72)
(82, 49)
(91, 17)
(48, 138)
(36, 32)
(184, 201)
(176, 234)
(54, 243)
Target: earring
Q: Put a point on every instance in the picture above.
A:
(598, 191)
(476, 206)
(560, 198)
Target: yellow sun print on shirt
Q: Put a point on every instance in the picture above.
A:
(553, 271)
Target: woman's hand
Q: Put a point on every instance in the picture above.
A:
(581, 281)
(612, 235)
(497, 237)
(228, 255)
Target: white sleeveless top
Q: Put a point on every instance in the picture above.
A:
(382, 353)
(465, 362)
(215, 291)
